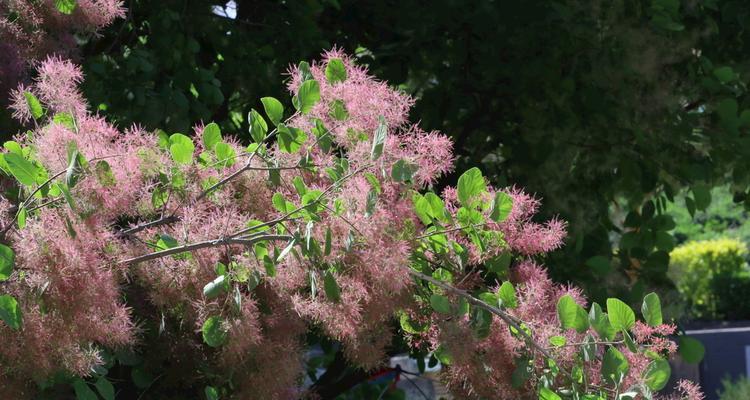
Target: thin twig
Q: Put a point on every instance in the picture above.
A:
(200, 245)
(161, 221)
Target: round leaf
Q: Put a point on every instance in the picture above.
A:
(501, 207)
(211, 393)
(440, 304)
(470, 184)
(572, 315)
(213, 333)
(211, 136)
(335, 71)
(691, 349)
(83, 391)
(21, 169)
(7, 261)
(105, 388)
(274, 109)
(546, 394)
(614, 366)
(657, 374)
(507, 294)
(66, 7)
(9, 311)
(652, 309)
(307, 96)
(331, 288)
(621, 316)
(181, 147)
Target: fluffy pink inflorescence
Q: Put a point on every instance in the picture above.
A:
(32, 30)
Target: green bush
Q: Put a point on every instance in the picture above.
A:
(707, 273)
(735, 390)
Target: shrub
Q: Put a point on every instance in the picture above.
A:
(706, 271)
(735, 390)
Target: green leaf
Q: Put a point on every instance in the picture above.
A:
(104, 173)
(499, 265)
(213, 333)
(331, 288)
(702, 195)
(68, 197)
(141, 378)
(211, 393)
(105, 388)
(214, 288)
(724, 74)
(65, 119)
(166, 242)
(652, 309)
(287, 249)
(338, 111)
(422, 208)
(691, 349)
(66, 7)
(470, 185)
(657, 374)
(75, 168)
(279, 203)
(34, 105)
(290, 138)
(22, 213)
(502, 205)
(258, 126)
(403, 171)
(13, 147)
(558, 341)
(274, 109)
(7, 261)
(304, 69)
(521, 373)
(614, 366)
(181, 147)
(442, 355)
(9, 311)
(546, 394)
(621, 316)
(211, 136)
(225, 153)
(323, 136)
(571, 314)
(588, 348)
(599, 264)
(83, 391)
(440, 304)
(307, 96)
(335, 71)
(507, 294)
(22, 169)
(327, 246)
(629, 343)
(409, 326)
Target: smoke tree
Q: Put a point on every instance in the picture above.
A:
(120, 244)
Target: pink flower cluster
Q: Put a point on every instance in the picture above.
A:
(31, 30)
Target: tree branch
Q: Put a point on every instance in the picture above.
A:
(250, 240)
(507, 318)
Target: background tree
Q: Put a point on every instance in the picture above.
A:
(605, 109)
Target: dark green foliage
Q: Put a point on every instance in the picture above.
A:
(588, 105)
